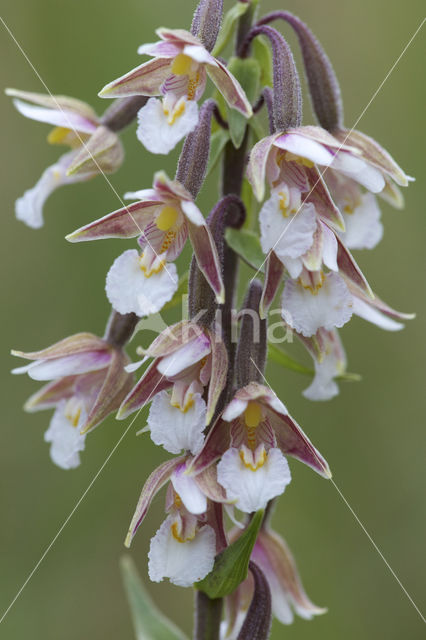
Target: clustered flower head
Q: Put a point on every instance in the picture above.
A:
(229, 435)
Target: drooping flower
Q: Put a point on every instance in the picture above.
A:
(184, 547)
(187, 358)
(178, 73)
(163, 217)
(276, 561)
(250, 438)
(316, 300)
(94, 147)
(88, 381)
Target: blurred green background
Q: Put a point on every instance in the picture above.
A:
(372, 434)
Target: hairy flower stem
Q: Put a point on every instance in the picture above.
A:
(122, 112)
(120, 328)
(208, 614)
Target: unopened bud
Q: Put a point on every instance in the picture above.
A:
(206, 22)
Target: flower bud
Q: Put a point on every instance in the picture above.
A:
(206, 22)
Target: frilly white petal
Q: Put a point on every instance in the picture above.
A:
(128, 290)
(174, 429)
(363, 227)
(182, 562)
(66, 441)
(331, 306)
(289, 237)
(154, 130)
(252, 490)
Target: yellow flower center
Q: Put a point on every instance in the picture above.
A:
(73, 411)
(176, 113)
(182, 65)
(152, 267)
(292, 157)
(166, 218)
(253, 414)
(57, 135)
(253, 462)
(314, 282)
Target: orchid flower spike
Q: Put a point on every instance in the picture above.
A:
(87, 382)
(163, 217)
(94, 147)
(178, 74)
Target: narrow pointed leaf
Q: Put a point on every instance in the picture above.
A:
(279, 356)
(231, 566)
(148, 621)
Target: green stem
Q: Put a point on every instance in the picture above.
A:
(208, 615)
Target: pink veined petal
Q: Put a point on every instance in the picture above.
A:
(151, 382)
(257, 166)
(216, 443)
(207, 258)
(229, 87)
(218, 375)
(292, 441)
(66, 366)
(127, 222)
(152, 486)
(273, 279)
(57, 117)
(144, 80)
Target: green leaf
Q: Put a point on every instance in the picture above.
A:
(279, 356)
(263, 55)
(217, 145)
(247, 245)
(247, 72)
(231, 566)
(148, 621)
(228, 25)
